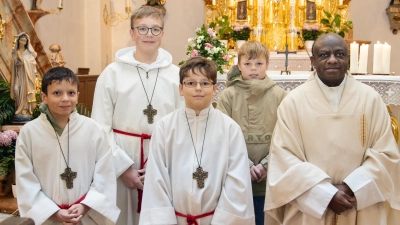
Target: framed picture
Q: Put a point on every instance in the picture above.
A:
(241, 11)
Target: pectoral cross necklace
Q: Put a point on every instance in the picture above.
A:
(200, 175)
(68, 174)
(150, 112)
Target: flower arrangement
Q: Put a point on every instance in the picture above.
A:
(8, 139)
(311, 32)
(333, 24)
(206, 45)
(241, 32)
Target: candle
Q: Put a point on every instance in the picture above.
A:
(318, 2)
(60, 4)
(301, 2)
(112, 6)
(340, 2)
(214, 2)
(377, 66)
(386, 58)
(127, 3)
(250, 2)
(354, 57)
(362, 66)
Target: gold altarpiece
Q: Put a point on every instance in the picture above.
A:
(275, 22)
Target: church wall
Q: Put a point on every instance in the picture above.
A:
(371, 23)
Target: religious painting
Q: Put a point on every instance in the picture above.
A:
(311, 14)
(241, 13)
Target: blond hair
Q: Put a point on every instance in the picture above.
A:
(147, 11)
(253, 50)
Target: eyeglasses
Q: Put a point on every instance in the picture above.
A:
(144, 30)
(193, 84)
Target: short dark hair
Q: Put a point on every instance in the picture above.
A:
(147, 11)
(58, 74)
(199, 64)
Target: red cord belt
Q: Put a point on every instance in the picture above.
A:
(191, 220)
(63, 206)
(142, 161)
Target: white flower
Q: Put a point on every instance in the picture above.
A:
(198, 46)
(190, 39)
(209, 58)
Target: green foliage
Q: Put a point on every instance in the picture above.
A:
(333, 24)
(224, 26)
(7, 105)
(206, 45)
(36, 111)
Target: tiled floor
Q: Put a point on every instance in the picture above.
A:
(4, 216)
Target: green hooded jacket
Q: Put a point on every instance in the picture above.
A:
(253, 105)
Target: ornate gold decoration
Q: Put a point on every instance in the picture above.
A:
(395, 125)
(112, 19)
(2, 25)
(363, 129)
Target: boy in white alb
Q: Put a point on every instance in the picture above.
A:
(63, 161)
(131, 95)
(197, 169)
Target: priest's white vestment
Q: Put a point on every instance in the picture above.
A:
(39, 163)
(169, 184)
(119, 101)
(314, 147)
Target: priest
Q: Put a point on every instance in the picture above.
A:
(333, 155)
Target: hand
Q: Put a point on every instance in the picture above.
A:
(255, 173)
(60, 216)
(142, 173)
(132, 179)
(78, 211)
(341, 202)
(345, 188)
(263, 172)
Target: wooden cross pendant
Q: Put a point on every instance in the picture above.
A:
(69, 177)
(150, 113)
(200, 176)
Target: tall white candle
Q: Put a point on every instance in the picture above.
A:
(231, 2)
(112, 6)
(60, 3)
(377, 66)
(386, 58)
(340, 2)
(214, 2)
(354, 57)
(318, 2)
(250, 2)
(301, 2)
(127, 3)
(362, 66)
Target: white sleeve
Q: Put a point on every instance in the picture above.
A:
(103, 113)
(315, 201)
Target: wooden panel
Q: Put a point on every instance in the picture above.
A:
(87, 86)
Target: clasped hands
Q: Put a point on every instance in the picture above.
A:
(258, 173)
(133, 179)
(343, 199)
(71, 216)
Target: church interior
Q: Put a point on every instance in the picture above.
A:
(88, 34)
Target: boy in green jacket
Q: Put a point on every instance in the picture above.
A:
(251, 99)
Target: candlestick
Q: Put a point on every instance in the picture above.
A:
(354, 57)
(386, 58)
(377, 66)
(362, 66)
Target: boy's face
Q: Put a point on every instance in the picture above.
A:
(253, 68)
(61, 98)
(197, 97)
(147, 43)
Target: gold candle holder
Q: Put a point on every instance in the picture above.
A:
(232, 9)
(342, 12)
(213, 11)
(250, 14)
(128, 10)
(319, 13)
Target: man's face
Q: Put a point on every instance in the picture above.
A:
(147, 43)
(330, 59)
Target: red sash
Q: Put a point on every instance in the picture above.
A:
(142, 161)
(63, 206)
(191, 220)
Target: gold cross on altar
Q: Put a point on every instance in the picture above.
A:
(200, 176)
(150, 113)
(69, 177)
